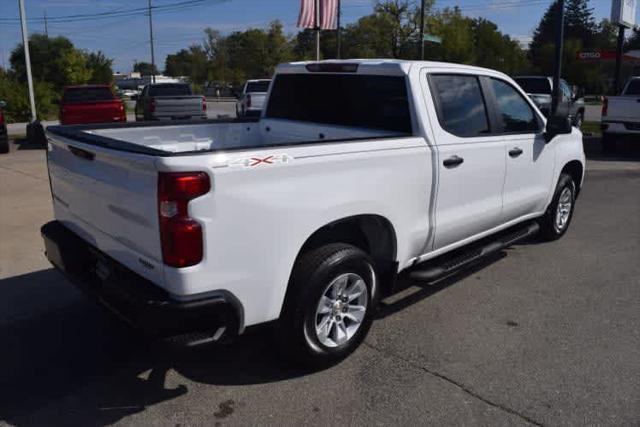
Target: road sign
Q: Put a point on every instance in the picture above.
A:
(431, 38)
(623, 12)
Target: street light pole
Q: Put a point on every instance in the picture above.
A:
(153, 58)
(27, 59)
(616, 84)
(339, 35)
(422, 30)
(558, 68)
(317, 19)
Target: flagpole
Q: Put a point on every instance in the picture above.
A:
(317, 10)
(339, 34)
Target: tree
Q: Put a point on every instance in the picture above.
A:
(53, 60)
(100, 68)
(191, 62)
(145, 69)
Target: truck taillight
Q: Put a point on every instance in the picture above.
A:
(152, 106)
(248, 100)
(605, 106)
(180, 235)
(204, 104)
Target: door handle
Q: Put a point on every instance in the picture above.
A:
(452, 162)
(515, 152)
(83, 154)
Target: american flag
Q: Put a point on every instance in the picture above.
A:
(328, 14)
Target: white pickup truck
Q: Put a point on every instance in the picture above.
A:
(356, 172)
(621, 114)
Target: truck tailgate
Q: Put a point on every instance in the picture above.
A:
(178, 106)
(109, 198)
(624, 108)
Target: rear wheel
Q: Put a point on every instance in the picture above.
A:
(557, 218)
(329, 305)
(4, 145)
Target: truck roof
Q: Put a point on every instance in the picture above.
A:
(379, 66)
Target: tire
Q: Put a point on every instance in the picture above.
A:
(556, 220)
(315, 276)
(4, 145)
(579, 120)
(609, 144)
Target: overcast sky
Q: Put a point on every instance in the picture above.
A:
(125, 39)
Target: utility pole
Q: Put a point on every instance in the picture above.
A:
(616, 84)
(422, 30)
(558, 68)
(27, 59)
(153, 58)
(317, 19)
(339, 31)
(46, 28)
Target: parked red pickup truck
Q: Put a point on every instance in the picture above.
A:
(90, 104)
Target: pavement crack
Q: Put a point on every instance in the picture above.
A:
(457, 384)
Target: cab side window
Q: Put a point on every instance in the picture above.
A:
(516, 115)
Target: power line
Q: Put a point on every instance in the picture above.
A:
(118, 13)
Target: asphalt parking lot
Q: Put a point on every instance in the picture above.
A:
(543, 334)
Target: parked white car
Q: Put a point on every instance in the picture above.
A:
(621, 114)
(358, 171)
(251, 99)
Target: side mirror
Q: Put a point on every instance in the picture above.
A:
(3, 104)
(557, 125)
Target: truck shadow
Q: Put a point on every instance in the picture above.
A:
(627, 150)
(66, 361)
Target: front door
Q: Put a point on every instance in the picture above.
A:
(530, 160)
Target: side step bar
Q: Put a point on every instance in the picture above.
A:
(434, 270)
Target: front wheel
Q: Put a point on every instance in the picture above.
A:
(557, 218)
(329, 305)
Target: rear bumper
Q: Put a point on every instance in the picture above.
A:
(133, 298)
(621, 127)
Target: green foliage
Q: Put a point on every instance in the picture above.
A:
(100, 67)
(55, 63)
(16, 96)
(145, 68)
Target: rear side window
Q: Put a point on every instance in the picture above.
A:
(633, 88)
(257, 87)
(169, 90)
(460, 104)
(371, 102)
(87, 94)
(515, 112)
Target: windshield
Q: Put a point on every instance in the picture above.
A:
(87, 94)
(371, 102)
(258, 86)
(534, 85)
(170, 90)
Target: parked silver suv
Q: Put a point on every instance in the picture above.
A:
(540, 88)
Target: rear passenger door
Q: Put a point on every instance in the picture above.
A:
(471, 162)
(530, 160)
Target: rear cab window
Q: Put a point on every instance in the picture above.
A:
(537, 85)
(633, 88)
(169, 90)
(354, 100)
(257, 87)
(87, 94)
(514, 112)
